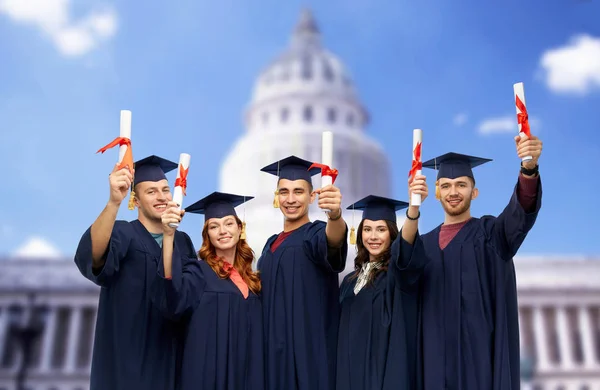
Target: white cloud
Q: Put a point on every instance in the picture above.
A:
(37, 247)
(574, 67)
(71, 37)
(505, 124)
(460, 119)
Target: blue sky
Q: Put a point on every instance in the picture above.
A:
(186, 70)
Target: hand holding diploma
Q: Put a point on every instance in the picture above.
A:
(417, 165)
(171, 218)
(328, 175)
(120, 181)
(530, 147)
(181, 182)
(522, 115)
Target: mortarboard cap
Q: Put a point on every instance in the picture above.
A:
(453, 165)
(292, 168)
(376, 208)
(152, 168)
(217, 205)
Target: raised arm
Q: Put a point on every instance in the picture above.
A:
(180, 281)
(408, 254)
(510, 228)
(330, 198)
(105, 244)
(120, 182)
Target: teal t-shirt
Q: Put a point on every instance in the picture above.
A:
(158, 238)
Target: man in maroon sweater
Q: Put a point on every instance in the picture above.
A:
(470, 328)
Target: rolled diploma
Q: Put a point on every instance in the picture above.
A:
(519, 90)
(184, 161)
(125, 132)
(327, 157)
(415, 199)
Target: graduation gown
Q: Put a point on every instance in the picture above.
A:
(301, 309)
(377, 347)
(470, 325)
(223, 336)
(134, 346)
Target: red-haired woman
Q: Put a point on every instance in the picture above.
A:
(216, 298)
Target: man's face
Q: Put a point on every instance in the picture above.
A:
(456, 194)
(294, 198)
(152, 198)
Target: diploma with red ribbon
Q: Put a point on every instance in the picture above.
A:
(328, 175)
(417, 164)
(522, 115)
(124, 142)
(181, 182)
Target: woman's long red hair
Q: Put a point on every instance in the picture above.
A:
(242, 263)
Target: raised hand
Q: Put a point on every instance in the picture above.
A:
(418, 186)
(529, 147)
(120, 181)
(330, 198)
(171, 215)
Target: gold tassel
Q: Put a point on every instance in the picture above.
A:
(437, 191)
(276, 200)
(131, 205)
(243, 235)
(352, 236)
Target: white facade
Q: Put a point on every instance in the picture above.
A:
(559, 306)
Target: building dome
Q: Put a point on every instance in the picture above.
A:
(306, 90)
(305, 70)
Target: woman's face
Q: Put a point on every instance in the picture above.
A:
(375, 237)
(224, 233)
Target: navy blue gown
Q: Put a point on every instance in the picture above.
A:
(301, 309)
(377, 344)
(134, 346)
(470, 325)
(223, 336)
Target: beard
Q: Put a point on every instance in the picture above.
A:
(150, 215)
(463, 207)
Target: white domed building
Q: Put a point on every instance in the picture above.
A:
(306, 90)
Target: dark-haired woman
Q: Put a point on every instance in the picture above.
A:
(377, 346)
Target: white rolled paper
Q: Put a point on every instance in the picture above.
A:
(415, 199)
(519, 90)
(125, 132)
(184, 161)
(327, 157)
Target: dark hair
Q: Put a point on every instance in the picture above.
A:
(362, 255)
(242, 263)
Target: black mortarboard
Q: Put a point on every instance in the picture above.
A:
(292, 168)
(453, 165)
(152, 168)
(217, 205)
(376, 208)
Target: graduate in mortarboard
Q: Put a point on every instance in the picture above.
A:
(134, 346)
(470, 332)
(216, 298)
(299, 271)
(377, 346)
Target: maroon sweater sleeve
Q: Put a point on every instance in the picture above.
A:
(527, 192)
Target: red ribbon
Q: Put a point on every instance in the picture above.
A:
(127, 161)
(523, 117)
(181, 181)
(325, 171)
(416, 162)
